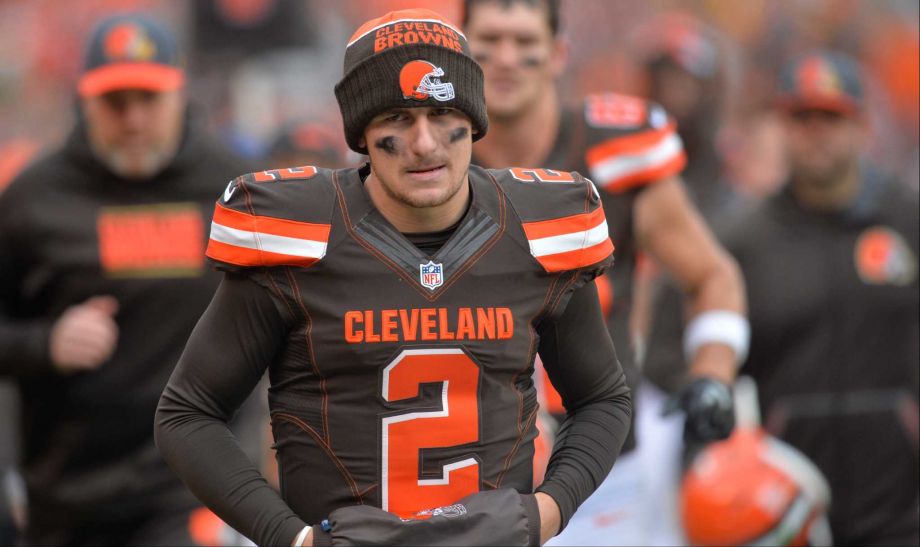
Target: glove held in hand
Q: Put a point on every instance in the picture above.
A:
(495, 517)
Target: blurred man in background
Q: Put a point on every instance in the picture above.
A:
(633, 154)
(831, 269)
(684, 69)
(102, 278)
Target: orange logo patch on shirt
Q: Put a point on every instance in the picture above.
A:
(883, 258)
(162, 240)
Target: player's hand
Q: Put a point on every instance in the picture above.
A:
(85, 335)
(709, 407)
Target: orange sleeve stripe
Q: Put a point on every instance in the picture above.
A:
(572, 260)
(564, 225)
(242, 256)
(268, 225)
(639, 178)
(627, 145)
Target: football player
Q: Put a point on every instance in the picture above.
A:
(398, 308)
(631, 150)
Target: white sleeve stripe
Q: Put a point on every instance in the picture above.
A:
(574, 241)
(291, 246)
(620, 166)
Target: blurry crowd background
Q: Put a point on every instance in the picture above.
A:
(260, 67)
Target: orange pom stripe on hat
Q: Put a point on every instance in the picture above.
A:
(406, 59)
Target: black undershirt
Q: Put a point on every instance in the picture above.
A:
(427, 242)
(430, 242)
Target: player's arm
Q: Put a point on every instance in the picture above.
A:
(669, 227)
(228, 351)
(581, 362)
(23, 344)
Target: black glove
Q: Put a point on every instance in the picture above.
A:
(709, 407)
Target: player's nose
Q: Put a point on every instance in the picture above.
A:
(505, 54)
(423, 140)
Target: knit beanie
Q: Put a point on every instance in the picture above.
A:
(407, 59)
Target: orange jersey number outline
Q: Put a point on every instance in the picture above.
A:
(287, 173)
(525, 174)
(404, 435)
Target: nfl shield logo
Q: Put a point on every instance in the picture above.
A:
(431, 275)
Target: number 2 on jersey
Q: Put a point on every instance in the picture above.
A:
(405, 435)
(543, 175)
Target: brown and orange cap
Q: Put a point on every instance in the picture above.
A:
(821, 80)
(406, 59)
(130, 52)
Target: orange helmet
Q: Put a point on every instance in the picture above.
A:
(753, 489)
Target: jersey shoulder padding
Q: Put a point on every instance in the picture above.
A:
(630, 142)
(280, 217)
(561, 216)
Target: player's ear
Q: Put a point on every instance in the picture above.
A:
(559, 56)
(362, 142)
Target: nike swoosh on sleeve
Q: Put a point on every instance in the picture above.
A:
(228, 192)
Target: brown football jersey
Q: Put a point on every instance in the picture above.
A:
(405, 380)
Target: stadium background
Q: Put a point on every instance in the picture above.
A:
(256, 64)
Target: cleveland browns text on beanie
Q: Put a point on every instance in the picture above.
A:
(407, 59)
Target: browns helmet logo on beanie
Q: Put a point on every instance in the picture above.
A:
(407, 59)
(421, 79)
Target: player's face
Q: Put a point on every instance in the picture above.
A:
(822, 146)
(519, 55)
(420, 156)
(134, 132)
